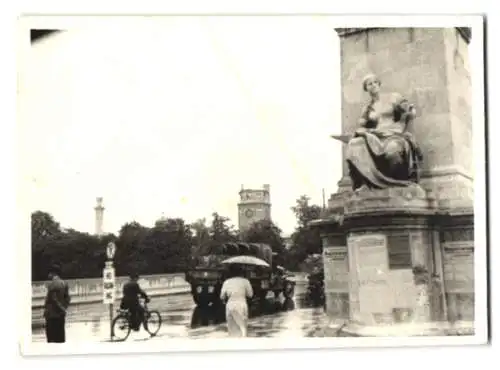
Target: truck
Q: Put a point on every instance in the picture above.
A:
(207, 273)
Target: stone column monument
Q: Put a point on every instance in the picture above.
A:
(99, 216)
(398, 245)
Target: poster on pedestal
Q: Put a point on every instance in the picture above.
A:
(371, 272)
(336, 269)
(459, 266)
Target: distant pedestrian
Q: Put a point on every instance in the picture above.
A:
(56, 306)
(235, 292)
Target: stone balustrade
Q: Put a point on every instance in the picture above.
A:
(87, 295)
(91, 290)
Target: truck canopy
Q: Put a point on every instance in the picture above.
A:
(259, 250)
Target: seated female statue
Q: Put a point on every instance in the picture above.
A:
(382, 153)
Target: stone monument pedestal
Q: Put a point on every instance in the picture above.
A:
(395, 264)
(391, 262)
(387, 234)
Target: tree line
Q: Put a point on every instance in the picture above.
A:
(166, 247)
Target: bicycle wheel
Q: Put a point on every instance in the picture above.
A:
(152, 323)
(120, 328)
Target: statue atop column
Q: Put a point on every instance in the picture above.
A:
(382, 153)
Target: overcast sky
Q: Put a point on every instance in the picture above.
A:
(173, 117)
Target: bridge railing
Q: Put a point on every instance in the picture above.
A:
(85, 292)
(90, 290)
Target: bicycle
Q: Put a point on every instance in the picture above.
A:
(124, 322)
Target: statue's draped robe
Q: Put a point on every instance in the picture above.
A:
(382, 152)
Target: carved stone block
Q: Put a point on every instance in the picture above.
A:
(405, 199)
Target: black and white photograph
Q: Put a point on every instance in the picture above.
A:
(272, 182)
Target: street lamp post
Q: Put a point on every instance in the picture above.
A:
(109, 283)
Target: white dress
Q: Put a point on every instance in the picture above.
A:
(236, 290)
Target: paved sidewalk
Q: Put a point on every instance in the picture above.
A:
(411, 329)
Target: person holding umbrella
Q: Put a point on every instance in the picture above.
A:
(235, 292)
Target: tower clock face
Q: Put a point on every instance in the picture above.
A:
(249, 213)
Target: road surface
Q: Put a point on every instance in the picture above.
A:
(181, 319)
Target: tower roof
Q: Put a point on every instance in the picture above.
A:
(265, 187)
(99, 201)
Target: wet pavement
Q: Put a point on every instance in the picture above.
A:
(181, 319)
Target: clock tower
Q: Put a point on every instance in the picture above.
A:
(254, 205)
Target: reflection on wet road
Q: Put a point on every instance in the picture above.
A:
(181, 319)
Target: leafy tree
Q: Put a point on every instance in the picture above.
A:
(201, 236)
(265, 231)
(304, 212)
(312, 262)
(201, 231)
(161, 249)
(129, 255)
(43, 226)
(221, 231)
(80, 255)
(168, 246)
(305, 240)
(164, 248)
(132, 231)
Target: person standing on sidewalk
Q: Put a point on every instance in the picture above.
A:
(56, 305)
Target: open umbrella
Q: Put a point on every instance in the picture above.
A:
(246, 260)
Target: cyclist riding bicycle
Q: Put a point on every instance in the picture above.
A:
(130, 300)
